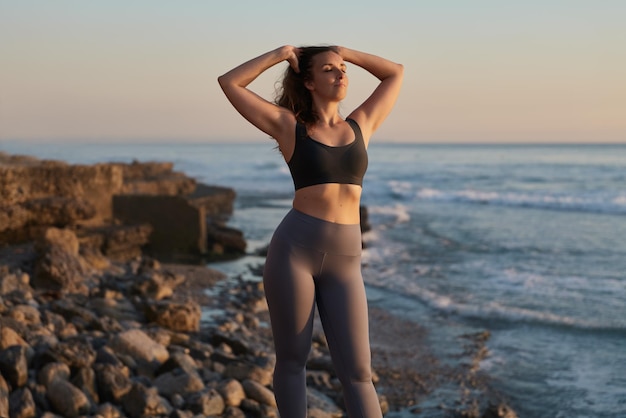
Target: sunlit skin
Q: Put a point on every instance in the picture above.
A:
(328, 85)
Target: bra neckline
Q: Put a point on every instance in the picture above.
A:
(334, 146)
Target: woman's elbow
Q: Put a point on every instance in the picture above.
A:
(400, 70)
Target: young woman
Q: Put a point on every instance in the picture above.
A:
(315, 253)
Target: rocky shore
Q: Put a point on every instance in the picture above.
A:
(96, 321)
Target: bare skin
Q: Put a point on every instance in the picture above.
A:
(332, 202)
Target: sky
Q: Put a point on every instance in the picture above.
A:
(483, 71)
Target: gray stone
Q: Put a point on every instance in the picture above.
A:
(140, 347)
(105, 355)
(177, 360)
(52, 371)
(14, 365)
(181, 414)
(113, 383)
(233, 412)
(499, 411)
(120, 309)
(145, 402)
(207, 402)
(241, 370)
(238, 345)
(258, 392)
(67, 399)
(21, 404)
(4, 397)
(232, 392)
(26, 314)
(71, 312)
(75, 352)
(178, 381)
(107, 410)
(321, 405)
(85, 380)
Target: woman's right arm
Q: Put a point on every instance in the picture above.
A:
(268, 117)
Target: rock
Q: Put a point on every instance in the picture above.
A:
(224, 240)
(258, 392)
(157, 285)
(15, 282)
(64, 240)
(232, 391)
(365, 224)
(4, 397)
(321, 406)
(8, 338)
(141, 347)
(21, 404)
(14, 365)
(323, 363)
(179, 220)
(75, 352)
(177, 360)
(71, 312)
(499, 411)
(118, 309)
(53, 371)
(181, 414)
(113, 383)
(233, 412)
(241, 370)
(21, 181)
(107, 410)
(207, 402)
(59, 267)
(238, 345)
(179, 317)
(145, 402)
(26, 314)
(178, 381)
(53, 321)
(85, 380)
(105, 355)
(117, 242)
(67, 399)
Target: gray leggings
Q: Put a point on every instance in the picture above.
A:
(311, 261)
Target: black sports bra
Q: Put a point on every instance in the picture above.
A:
(315, 163)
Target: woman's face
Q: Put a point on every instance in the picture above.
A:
(328, 76)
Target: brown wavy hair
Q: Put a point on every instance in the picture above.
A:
(292, 93)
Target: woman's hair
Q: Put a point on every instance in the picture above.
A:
(293, 94)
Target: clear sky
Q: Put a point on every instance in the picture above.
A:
(475, 70)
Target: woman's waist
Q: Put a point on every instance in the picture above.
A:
(308, 231)
(337, 203)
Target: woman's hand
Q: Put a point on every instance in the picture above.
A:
(292, 57)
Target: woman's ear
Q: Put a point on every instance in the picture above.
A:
(309, 85)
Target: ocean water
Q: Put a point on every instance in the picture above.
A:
(525, 241)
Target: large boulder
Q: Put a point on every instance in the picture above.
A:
(59, 267)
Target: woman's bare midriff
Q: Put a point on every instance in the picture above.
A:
(333, 202)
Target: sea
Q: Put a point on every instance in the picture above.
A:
(526, 241)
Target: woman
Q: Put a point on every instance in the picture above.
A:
(314, 255)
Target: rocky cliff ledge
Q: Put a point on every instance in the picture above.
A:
(116, 209)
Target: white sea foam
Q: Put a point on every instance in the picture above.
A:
(399, 212)
(604, 203)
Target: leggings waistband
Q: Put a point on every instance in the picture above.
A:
(321, 235)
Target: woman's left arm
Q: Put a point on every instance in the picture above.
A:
(373, 111)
